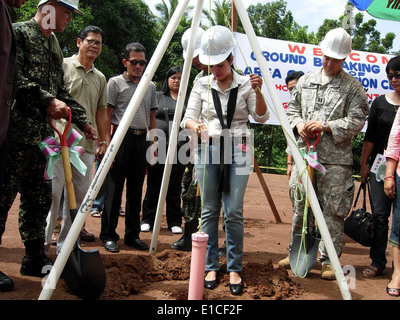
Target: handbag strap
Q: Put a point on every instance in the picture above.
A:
(223, 168)
(369, 195)
(362, 187)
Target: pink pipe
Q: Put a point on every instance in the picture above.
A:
(197, 266)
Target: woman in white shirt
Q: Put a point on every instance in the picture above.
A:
(218, 111)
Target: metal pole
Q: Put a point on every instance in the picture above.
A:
(112, 150)
(294, 149)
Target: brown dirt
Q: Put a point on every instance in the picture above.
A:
(136, 275)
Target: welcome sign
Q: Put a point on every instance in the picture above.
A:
(284, 57)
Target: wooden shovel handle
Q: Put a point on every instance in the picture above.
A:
(66, 162)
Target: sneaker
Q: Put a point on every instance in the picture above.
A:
(285, 263)
(145, 227)
(176, 229)
(95, 213)
(327, 272)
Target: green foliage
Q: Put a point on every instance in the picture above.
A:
(123, 21)
(366, 38)
(357, 145)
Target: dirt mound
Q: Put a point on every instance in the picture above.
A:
(129, 275)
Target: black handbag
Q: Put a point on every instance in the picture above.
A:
(360, 224)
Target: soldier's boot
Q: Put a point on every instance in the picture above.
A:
(185, 242)
(35, 262)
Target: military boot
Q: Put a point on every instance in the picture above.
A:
(185, 242)
(35, 262)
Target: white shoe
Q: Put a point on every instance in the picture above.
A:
(176, 229)
(145, 227)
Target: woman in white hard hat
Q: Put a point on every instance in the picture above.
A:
(222, 159)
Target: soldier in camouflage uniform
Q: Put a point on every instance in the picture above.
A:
(334, 103)
(40, 94)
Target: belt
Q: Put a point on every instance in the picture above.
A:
(138, 132)
(243, 140)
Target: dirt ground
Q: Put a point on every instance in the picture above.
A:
(137, 275)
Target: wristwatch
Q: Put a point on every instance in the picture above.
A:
(325, 126)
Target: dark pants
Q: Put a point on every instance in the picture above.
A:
(173, 197)
(382, 209)
(4, 149)
(129, 164)
(25, 174)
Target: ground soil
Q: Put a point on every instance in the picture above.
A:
(164, 275)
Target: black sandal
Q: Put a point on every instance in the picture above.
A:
(393, 292)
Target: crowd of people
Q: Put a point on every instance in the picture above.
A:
(38, 83)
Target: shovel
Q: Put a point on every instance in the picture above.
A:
(84, 272)
(304, 249)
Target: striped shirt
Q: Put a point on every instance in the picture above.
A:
(120, 90)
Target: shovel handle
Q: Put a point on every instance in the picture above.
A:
(63, 136)
(311, 147)
(66, 162)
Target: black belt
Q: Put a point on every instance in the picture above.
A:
(138, 132)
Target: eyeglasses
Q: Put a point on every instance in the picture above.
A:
(396, 76)
(92, 42)
(135, 62)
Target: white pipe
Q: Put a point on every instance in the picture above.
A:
(175, 126)
(294, 149)
(112, 150)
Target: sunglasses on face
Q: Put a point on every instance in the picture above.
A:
(135, 62)
(396, 76)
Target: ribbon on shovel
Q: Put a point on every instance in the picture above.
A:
(312, 157)
(52, 151)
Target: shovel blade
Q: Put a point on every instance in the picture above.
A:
(303, 255)
(84, 273)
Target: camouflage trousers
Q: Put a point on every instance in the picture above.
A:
(335, 193)
(191, 209)
(24, 174)
(187, 179)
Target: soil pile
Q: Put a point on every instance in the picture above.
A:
(130, 275)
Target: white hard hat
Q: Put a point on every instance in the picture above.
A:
(336, 44)
(217, 44)
(185, 41)
(70, 4)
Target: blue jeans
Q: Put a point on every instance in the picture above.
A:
(99, 201)
(395, 233)
(207, 175)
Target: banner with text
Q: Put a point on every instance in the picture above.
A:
(284, 57)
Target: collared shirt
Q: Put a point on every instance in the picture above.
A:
(120, 90)
(201, 105)
(89, 89)
(40, 79)
(393, 147)
(341, 102)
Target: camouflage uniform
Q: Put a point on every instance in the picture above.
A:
(342, 103)
(40, 79)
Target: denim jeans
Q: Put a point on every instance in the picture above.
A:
(395, 232)
(99, 201)
(382, 208)
(206, 168)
